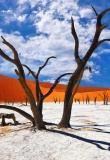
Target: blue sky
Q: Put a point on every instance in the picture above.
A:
(40, 29)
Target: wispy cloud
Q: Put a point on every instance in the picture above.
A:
(52, 34)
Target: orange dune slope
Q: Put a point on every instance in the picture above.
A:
(11, 91)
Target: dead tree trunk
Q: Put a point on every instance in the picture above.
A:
(95, 99)
(3, 123)
(87, 99)
(104, 97)
(9, 116)
(39, 94)
(55, 100)
(81, 63)
(20, 72)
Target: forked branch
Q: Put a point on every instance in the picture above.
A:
(40, 68)
(30, 71)
(55, 83)
(36, 76)
(16, 60)
(99, 28)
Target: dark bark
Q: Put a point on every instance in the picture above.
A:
(68, 101)
(23, 113)
(40, 106)
(3, 121)
(20, 72)
(9, 116)
(39, 95)
(81, 63)
(105, 97)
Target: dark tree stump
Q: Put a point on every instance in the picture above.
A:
(9, 116)
(3, 121)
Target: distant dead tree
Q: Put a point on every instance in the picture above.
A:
(87, 99)
(95, 99)
(59, 100)
(104, 97)
(78, 99)
(26, 100)
(83, 99)
(55, 100)
(39, 94)
(81, 63)
(75, 100)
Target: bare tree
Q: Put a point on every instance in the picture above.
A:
(104, 97)
(95, 99)
(78, 99)
(81, 63)
(75, 100)
(26, 99)
(59, 100)
(87, 99)
(20, 72)
(39, 94)
(55, 100)
(83, 99)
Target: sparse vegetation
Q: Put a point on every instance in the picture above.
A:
(105, 97)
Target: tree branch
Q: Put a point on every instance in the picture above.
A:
(99, 28)
(16, 60)
(30, 71)
(23, 113)
(40, 68)
(95, 11)
(55, 83)
(11, 47)
(6, 57)
(104, 40)
(100, 16)
(77, 58)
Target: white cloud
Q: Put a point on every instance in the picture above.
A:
(52, 20)
(22, 18)
(85, 12)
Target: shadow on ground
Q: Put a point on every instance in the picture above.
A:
(93, 142)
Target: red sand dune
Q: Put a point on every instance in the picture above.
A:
(11, 90)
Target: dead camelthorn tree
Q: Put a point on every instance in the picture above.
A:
(105, 97)
(95, 99)
(87, 99)
(59, 100)
(20, 72)
(81, 63)
(55, 99)
(39, 94)
(83, 99)
(78, 99)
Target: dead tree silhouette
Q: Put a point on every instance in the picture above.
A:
(87, 99)
(20, 72)
(81, 63)
(95, 99)
(39, 94)
(36, 109)
(105, 97)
